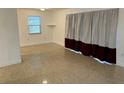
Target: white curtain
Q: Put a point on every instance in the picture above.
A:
(104, 28)
(92, 32)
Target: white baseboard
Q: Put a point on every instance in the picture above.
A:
(61, 44)
(35, 43)
(11, 63)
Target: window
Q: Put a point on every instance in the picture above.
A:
(34, 24)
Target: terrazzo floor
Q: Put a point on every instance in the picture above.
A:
(53, 64)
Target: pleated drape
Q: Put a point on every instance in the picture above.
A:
(93, 34)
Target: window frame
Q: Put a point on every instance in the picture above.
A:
(33, 25)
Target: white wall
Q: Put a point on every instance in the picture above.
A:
(120, 38)
(28, 39)
(9, 38)
(59, 30)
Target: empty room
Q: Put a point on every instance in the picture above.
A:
(61, 45)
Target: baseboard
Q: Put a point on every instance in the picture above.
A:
(11, 63)
(121, 65)
(58, 43)
(25, 45)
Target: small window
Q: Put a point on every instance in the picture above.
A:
(34, 24)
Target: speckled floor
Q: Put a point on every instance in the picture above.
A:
(51, 63)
